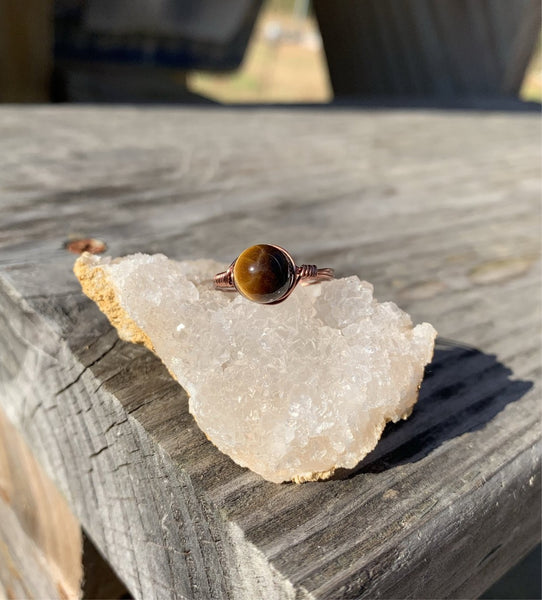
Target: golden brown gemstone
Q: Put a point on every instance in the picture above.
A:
(263, 273)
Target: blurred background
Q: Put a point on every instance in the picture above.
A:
(445, 53)
(273, 51)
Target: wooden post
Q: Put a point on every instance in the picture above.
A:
(428, 48)
(40, 539)
(26, 34)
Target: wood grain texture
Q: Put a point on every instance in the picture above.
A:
(439, 210)
(424, 48)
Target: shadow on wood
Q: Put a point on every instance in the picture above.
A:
(462, 391)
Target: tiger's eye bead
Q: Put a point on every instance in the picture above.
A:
(263, 273)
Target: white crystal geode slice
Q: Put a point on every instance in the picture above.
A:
(293, 391)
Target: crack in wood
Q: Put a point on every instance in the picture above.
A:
(99, 451)
(86, 368)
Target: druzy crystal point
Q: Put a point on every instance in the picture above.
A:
(294, 391)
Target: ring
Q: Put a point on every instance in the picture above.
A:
(267, 274)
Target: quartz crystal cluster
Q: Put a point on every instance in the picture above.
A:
(294, 391)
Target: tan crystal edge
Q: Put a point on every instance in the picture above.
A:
(318, 476)
(97, 286)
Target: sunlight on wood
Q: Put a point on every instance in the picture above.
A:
(531, 90)
(285, 62)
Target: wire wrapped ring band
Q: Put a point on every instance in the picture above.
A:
(267, 274)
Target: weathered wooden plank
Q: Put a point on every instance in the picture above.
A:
(440, 211)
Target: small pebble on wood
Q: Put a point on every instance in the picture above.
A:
(296, 391)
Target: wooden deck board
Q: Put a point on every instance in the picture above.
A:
(439, 210)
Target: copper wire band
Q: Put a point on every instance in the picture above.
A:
(305, 274)
(224, 279)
